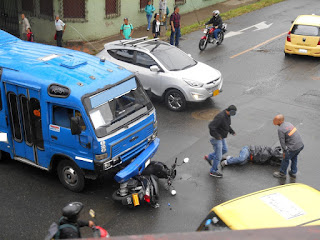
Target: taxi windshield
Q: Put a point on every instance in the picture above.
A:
(114, 108)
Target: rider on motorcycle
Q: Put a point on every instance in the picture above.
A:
(216, 21)
(69, 225)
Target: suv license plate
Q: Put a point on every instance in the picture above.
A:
(303, 50)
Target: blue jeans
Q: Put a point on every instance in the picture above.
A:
(293, 156)
(220, 147)
(216, 32)
(242, 159)
(176, 34)
(149, 17)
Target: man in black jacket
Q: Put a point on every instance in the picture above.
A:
(255, 154)
(219, 129)
(216, 22)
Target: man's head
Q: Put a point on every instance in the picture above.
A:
(149, 3)
(57, 17)
(278, 120)
(216, 13)
(72, 211)
(22, 16)
(231, 110)
(126, 21)
(28, 30)
(176, 9)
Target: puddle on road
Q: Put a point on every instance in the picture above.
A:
(205, 114)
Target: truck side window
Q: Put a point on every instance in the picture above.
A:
(24, 103)
(14, 116)
(62, 116)
(36, 123)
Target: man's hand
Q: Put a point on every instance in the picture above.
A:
(234, 134)
(91, 224)
(173, 30)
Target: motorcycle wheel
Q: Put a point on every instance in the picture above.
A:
(203, 44)
(220, 38)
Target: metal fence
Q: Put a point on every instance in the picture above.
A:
(112, 8)
(74, 8)
(46, 7)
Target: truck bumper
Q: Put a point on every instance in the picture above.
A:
(139, 164)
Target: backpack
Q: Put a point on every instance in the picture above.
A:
(55, 230)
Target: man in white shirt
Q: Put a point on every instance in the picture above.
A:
(60, 28)
(25, 25)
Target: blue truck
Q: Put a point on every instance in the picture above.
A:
(73, 113)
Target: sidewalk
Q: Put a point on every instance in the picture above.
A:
(187, 19)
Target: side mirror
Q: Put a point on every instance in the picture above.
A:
(75, 125)
(154, 68)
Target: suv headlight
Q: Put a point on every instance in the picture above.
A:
(193, 83)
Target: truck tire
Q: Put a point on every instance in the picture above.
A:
(71, 176)
(175, 100)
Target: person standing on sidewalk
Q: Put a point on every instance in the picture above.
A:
(156, 25)
(163, 11)
(126, 29)
(175, 27)
(149, 9)
(25, 25)
(60, 28)
(219, 129)
(292, 145)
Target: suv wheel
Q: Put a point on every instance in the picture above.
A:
(175, 100)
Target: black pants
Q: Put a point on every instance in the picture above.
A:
(59, 38)
(156, 34)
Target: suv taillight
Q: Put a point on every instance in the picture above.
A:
(289, 37)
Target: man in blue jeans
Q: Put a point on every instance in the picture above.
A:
(175, 27)
(219, 129)
(291, 144)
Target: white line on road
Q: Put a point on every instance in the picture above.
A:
(258, 26)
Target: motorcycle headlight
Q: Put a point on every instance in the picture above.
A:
(193, 83)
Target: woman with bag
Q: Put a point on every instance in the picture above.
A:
(156, 25)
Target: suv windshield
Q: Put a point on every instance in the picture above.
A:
(172, 58)
(116, 107)
(305, 30)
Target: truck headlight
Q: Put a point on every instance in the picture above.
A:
(193, 83)
(107, 165)
(101, 156)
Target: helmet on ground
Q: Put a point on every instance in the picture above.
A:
(72, 210)
(216, 12)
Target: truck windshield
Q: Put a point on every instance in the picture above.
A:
(116, 107)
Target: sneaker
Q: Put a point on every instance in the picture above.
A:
(208, 160)
(292, 175)
(279, 175)
(223, 163)
(216, 174)
(148, 29)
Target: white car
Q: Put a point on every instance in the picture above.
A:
(165, 70)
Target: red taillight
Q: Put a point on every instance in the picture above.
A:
(289, 37)
(147, 198)
(319, 42)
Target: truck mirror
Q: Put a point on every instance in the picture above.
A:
(75, 125)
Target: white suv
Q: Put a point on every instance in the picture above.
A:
(165, 70)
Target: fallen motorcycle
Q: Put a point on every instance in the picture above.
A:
(144, 187)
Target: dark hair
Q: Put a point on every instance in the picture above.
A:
(175, 7)
(155, 15)
(231, 107)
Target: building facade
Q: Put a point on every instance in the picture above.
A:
(86, 20)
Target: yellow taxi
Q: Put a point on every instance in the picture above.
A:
(283, 206)
(304, 36)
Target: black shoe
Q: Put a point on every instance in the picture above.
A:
(208, 160)
(216, 174)
(292, 175)
(279, 175)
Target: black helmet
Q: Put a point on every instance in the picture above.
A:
(72, 210)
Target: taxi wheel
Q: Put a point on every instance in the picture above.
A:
(287, 54)
(175, 100)
(71, 176)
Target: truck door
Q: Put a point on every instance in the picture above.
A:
(26, 123)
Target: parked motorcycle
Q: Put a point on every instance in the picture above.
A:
(209, 37)
(144, 187)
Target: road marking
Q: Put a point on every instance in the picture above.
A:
(259, 45)
(258, 26)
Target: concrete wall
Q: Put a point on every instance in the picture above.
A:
(98, 26)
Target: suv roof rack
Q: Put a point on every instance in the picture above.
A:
(137, 41)
(150, 40)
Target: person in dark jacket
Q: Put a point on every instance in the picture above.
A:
(216, 22)
(156, 25)
(219, 129)
(255, 154)
(69, 224)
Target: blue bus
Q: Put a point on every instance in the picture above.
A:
(73, 113)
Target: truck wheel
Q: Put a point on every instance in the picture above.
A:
(175, 100)
(70, 175)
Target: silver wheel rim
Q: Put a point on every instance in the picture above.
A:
(175, 101)
(70, 176)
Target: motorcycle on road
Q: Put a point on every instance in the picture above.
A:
(209, 37)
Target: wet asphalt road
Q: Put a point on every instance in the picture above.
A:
(261, 83)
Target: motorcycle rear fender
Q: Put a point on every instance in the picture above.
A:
(137, 166)
(204, 37)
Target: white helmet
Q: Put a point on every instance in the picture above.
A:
(216, 12)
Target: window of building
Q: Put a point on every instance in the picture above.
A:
(180, 2)
(74, 9)
(27, 5)
(46, 7)
(143, 4)
(112, 8)
(144, 60)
